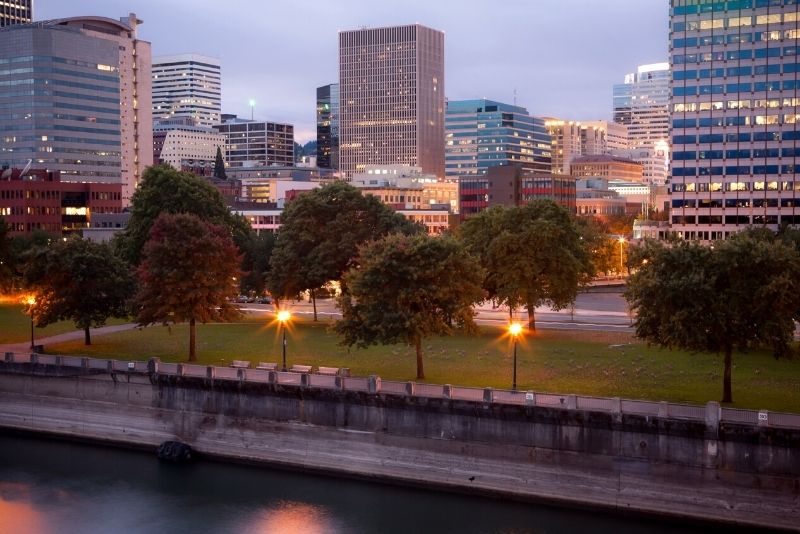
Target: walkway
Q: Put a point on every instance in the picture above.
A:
(76, 335)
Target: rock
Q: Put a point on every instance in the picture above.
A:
(174, 451)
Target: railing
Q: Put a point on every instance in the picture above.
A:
(711, 414)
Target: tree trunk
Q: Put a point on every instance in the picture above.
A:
(531, 317)
(420, 367)
(727, 395)
(87, 337)
(192, 340)
(314, 302)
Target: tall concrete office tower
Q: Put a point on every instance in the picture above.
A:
(15, 12)
(735, 116)
(187, 86)
(392, 98)
(86, 109)
(642, 104)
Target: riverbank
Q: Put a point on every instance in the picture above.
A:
(572, 457)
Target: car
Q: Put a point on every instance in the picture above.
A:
(241, 299)
(264, 300)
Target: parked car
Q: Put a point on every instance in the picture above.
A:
(264, 300)
(241, 299)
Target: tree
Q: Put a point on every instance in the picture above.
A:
(320, 233)
(255, 267)
(407, 288)
(603, 250)
(6, 264)
(531, 255)
(186, 274)
(80, 281)
(219, 166)
(741, 293)
(165, 190)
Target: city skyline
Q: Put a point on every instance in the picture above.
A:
(490, 55)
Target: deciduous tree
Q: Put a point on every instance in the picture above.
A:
(80, 281)
(165, 190)
(186, 274)
(320, 233)
(532, 255)
(740, 294)
(407, 288)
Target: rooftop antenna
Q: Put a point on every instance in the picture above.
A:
(515, 96)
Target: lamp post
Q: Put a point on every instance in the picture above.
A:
(515, 329)
(283, 318)
(621, 242)
(31, 301)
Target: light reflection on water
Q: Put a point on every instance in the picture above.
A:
(61, 488)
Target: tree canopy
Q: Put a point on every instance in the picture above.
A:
(78, 280)
(407, 288)
(187, 274)
(740, 294)
(320, 233)
(165, 190)
(531, 255)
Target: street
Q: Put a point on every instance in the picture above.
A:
(592, 311)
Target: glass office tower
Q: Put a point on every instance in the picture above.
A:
(328, 126)
(734, 116)
(483, 133)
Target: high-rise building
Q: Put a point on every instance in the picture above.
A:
(77, 99)
(251, 143)
(15, 12)
(391, 83)
(187, 86)
(642, 104)
(735, 135)
(484, 133)
(328, 126)
(573, 139)
(616, 134)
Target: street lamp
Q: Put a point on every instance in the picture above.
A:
(515, 329)
(621, 242)
(283, 318)
(30, 300)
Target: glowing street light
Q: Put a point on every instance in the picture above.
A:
(284, 316)
(622, 241)
(30, 300)
(515, 329)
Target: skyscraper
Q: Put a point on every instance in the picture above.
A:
(328, 126)
(78, 97)
(15, 12)
(735, 135)
(187, 86)
(483, 133)
(391, 83)
(642, 104)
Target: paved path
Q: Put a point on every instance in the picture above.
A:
(69, 336)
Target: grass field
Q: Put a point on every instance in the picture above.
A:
(588, 363)
(15, 325)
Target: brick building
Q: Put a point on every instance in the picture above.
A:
(39, 200)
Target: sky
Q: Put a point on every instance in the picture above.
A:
(561, 56)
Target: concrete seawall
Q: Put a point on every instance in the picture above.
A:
(734, 473)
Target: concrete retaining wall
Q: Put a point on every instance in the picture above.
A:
(743, 474)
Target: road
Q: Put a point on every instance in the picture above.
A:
(593, 311)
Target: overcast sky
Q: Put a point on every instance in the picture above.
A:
(561, 56)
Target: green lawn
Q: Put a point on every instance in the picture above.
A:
(588, 363)
(15, 325)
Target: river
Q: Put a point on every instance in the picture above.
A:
(58, 487)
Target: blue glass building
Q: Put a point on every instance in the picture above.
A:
(481, 134)
(734, 116)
